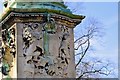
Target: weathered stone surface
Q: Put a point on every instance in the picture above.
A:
(39, 41)
(56, 63)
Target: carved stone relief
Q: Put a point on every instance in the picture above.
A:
(8, 50)
(39, 63)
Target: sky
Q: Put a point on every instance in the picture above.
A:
(106, 48)
(106, 12)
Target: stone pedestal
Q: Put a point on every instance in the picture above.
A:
(38, 43)
(33, 59)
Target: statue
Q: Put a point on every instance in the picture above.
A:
(5, 3)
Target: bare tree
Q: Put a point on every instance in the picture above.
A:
(83, 43)
(89, 30)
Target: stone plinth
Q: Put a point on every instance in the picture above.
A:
(38, 43)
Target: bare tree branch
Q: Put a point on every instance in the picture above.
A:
(80, 44)
(83, 53)
(91, 68)
(94, 71)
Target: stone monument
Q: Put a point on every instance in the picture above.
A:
(37, 39)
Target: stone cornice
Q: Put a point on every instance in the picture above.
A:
(35, 15)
